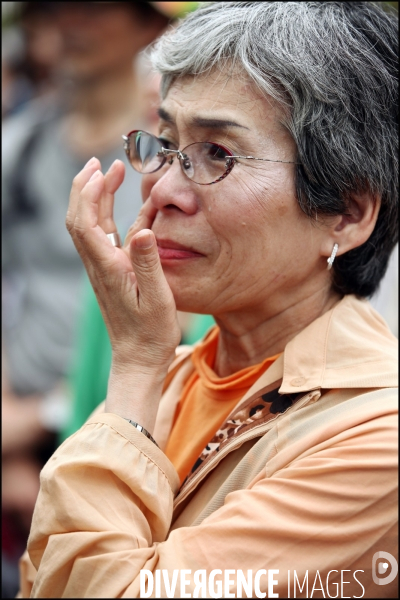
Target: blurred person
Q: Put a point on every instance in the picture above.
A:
(16, 89)
(271, 201)
(99, 97)
(30, 52)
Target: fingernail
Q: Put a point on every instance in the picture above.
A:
(113, 165)
(89, 162)
(95, 174)
(144, 239)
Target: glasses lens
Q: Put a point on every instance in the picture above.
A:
(205, 162)
(144, 151)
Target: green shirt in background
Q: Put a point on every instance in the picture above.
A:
(88, 376)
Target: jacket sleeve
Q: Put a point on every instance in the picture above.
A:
(105, 508)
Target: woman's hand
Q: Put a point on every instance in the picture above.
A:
(135, 299)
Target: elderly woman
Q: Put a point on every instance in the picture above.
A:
(263, 460)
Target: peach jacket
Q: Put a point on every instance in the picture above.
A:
(306, 487)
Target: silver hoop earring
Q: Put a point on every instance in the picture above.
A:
(332, 256)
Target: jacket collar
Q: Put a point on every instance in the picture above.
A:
(350, 346)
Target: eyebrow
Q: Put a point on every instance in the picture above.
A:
(202, 121)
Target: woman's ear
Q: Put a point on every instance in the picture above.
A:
(353, 228)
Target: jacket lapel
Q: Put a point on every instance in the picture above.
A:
(246, 421)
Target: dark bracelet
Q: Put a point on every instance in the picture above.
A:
(142, 430)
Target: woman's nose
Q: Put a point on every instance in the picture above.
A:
(170, 189)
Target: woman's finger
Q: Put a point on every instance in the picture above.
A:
(112, 181)
(77, 185)
(89, 238)
(150, 277)
(158, 327)
(144, 220)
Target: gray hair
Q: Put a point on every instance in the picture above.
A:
(333, 65)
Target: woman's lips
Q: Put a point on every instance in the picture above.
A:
(170, 250)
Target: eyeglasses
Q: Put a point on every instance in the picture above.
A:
(204, 163)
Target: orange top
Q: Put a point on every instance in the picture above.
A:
(205, 403)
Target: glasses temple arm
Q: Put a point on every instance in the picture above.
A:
(291, 162)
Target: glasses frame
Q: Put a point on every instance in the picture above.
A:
(165, 152)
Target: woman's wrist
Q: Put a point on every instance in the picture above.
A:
(135, 394)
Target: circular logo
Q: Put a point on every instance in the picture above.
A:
(380, 568)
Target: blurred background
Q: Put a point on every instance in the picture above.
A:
(75, 77)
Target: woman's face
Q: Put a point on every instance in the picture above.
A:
(244, 241)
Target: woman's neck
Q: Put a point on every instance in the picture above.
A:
(248, 338)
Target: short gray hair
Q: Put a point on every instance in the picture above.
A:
(333, 65)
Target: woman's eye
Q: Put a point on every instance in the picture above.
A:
(167, 144)
(218, 152)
